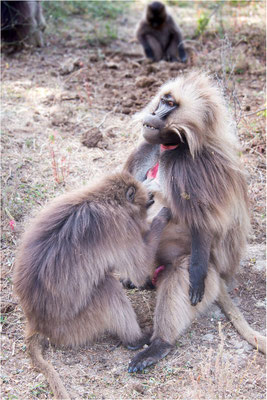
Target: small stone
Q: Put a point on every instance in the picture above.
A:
(126, 110)
(92, 138)
(144, 81)
(128, 103)
(112, 65)
(217, 314)
(261, 304)
(260, 265)
(151, 69)
(139, 388)
(69, 66)
(209, 337)
(93, 58)
(237, 344)
(58, 120)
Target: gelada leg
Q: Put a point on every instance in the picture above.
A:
(173, 313)
(119, 316)
(156, 48)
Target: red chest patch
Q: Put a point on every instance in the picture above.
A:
(152, 172)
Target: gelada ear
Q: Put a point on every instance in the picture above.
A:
(130, 194)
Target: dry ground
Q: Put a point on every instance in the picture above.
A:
(52, 101)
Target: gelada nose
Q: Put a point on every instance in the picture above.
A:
(153, 121)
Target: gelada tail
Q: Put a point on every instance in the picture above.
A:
(238, 320)
(35, 347)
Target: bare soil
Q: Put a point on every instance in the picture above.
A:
(66, 112)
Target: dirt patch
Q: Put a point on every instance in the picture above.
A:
(55, 99)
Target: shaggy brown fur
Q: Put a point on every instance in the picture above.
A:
(159, 35)
(64, 268)
(200, 179)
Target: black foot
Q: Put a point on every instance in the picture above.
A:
(145, 339)
(196, 295)
(155, 352)
(171, 58)
(196, 291)
(148, 285)
(127, 284)
(182, 54)
(45, 343)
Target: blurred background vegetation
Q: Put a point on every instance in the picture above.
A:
(97, 9)
(103, 13)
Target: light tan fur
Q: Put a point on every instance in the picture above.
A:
(205, 187)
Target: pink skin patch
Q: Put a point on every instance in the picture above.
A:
(157, 271)
(152, 172)
(164, 147)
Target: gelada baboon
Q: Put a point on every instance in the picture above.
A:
(189, 161)
(64, 268)
(22, 22)
(159, 35)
